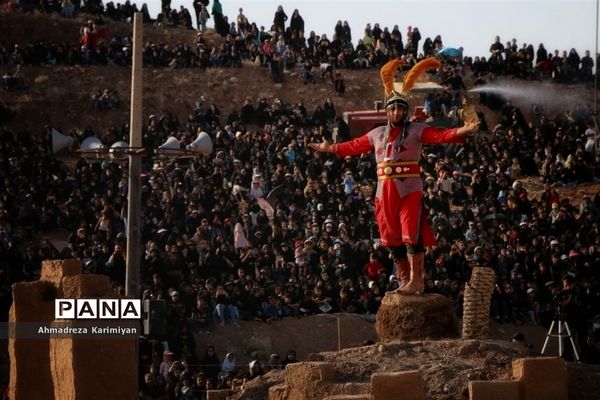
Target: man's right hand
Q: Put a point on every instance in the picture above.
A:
(323, 147)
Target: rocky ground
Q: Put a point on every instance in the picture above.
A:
(447, 365)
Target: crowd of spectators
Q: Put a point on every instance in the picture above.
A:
(217, 249)
(282, 46)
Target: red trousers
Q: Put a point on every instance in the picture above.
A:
(402, 220)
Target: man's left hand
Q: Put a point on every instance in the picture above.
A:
(468, 127)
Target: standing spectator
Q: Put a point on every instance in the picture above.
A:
(338, 84)
(587, 65)
(296, 22)
(197, 4)
(276, 67)
(497, 49)
(242, 22)
(279, 20)
(88, 41)
(415, 38)
(204, 17)
(221, 24)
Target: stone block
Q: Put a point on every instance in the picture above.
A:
(55, 270)
(415, 317)
(278, 392)
(304, 374)
(541, 378)
(86, 286)
(348, 397)
(495, 390)
(33, 303)
(349, 388)
(217, 394)
(93, 369)
(308, 380)
(404, 385)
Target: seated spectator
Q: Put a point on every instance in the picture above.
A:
(201, 318)
(106, 101)
(13, 80)
(255, 369)
(211, 365)
(326, 69)
(228, 363)
(290, 358)
(519, 338)
(67, 9)
(307, 74)
(274, 362)
(361, 61)
(224, 309)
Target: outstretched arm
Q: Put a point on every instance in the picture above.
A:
(323, 147)
(454, 135)
(353, 147)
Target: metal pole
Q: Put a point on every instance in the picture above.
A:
(339, 332)
(596, 65)
(132, 276)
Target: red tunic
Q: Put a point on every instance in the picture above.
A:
(398, 202)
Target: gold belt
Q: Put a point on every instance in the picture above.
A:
(398, 169)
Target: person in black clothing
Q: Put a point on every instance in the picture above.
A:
(116, 265)
(276, 68)
(211, 365)
(290, 358)
(339, 84)
(280, 18)
(455, 82)
(497, 48)
(416, 38)
(573, 308)
(296, 22)
(587, 64)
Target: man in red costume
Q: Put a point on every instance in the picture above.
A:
(403, 226)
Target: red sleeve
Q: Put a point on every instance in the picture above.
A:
(437, 136)
(353, 147)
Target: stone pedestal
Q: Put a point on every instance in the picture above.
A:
(66, 368)
(415, 317)
(90, 368)
(33, 302)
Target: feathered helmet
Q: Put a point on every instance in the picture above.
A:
(387, 76)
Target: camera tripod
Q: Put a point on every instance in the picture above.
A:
(560, 322)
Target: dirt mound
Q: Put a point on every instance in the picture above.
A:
(446, 365)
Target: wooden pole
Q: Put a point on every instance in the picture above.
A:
(132, 276)
(339, 329)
